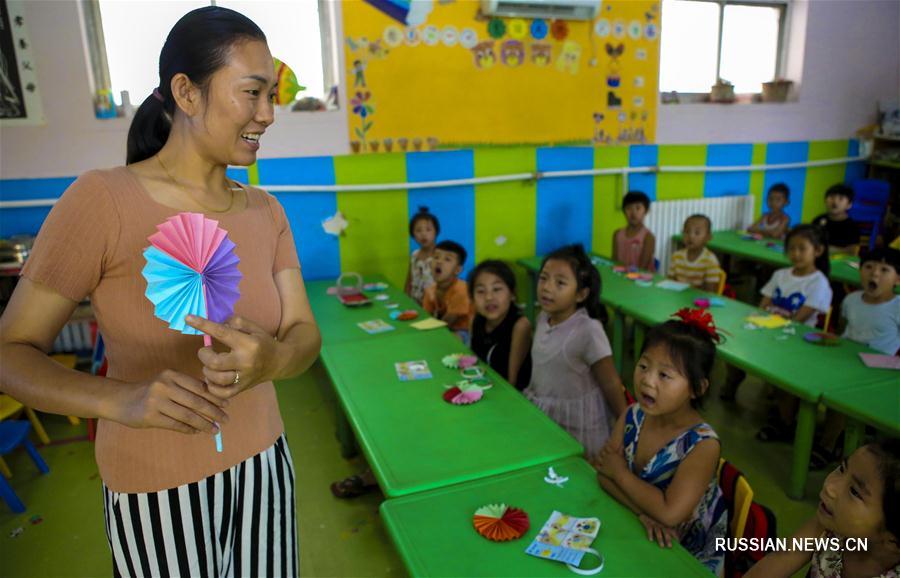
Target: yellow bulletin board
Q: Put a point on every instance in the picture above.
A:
(447, 76)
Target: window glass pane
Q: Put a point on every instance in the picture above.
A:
(134, 32)
(749, 46)
(292, 29)
(689, 46)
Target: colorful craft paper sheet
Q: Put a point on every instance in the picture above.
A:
(564, 538)
(412, 370)
(375, 326)
(768, 321)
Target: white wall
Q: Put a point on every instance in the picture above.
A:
(850, 58)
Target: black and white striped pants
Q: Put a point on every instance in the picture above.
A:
(240, 522)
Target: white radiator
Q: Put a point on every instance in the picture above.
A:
(666, 218)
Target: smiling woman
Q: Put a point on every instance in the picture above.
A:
(208, 512)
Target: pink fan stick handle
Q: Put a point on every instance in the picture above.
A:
(207, 342)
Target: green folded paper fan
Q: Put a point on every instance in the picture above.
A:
(500, 523)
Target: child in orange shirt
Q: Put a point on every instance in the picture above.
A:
(448, 298)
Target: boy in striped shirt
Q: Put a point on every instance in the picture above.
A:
(695, 264)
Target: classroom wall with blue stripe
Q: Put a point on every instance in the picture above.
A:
(564, 208)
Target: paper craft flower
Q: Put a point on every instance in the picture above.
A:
(191, 270)
(459, 361)
(456, 396)
(500, 523)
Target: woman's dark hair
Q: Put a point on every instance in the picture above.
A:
(888, 453)
(198, 45)
(818, 237)
(781, 188)
(692, 350)
(424, 214)
(494, 267)
(586, 276)
(636, 197)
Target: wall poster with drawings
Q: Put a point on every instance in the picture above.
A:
(20, 100)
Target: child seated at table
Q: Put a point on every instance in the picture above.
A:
(775, 223)
(695, 264)
(662, 456)
(501, 335)
(448, 298)
(872, 317)
(424, 228)
(799, 293)
(634, 244)
(860, 499)
(573, 378)
(842, 231)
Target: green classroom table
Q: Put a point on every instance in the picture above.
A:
(787, 361)
(844, 269)
(433, 530)
(338, 323)
(414, 440)
(875, 404)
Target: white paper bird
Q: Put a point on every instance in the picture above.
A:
(554, 479)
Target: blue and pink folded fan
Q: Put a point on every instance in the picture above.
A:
(192, 270)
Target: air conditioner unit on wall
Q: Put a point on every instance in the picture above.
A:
(549, 9)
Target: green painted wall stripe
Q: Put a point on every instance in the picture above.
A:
(757, 178)
(818, 179)
(376, 240)
(674, 186)
(506, 209)
(608, 214)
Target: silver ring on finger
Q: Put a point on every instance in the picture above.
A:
(237, 377)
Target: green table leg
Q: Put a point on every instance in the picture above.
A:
(618, 339)
(853, 433)
(639, 333)
(803, 440)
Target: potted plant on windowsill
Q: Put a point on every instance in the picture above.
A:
(722, 91)
(777, 90)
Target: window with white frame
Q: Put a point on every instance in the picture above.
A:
(740, 41)
(125, 38)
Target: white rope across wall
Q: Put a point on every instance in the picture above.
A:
(532, 176)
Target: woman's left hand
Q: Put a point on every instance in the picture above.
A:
(250, 361)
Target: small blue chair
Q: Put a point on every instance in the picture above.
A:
(12, 435)
(869, 206)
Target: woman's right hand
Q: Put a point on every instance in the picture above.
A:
(173, 401)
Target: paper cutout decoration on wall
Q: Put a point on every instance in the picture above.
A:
(335, 224)
(500, 523)
(192, 270)
(411, 12)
